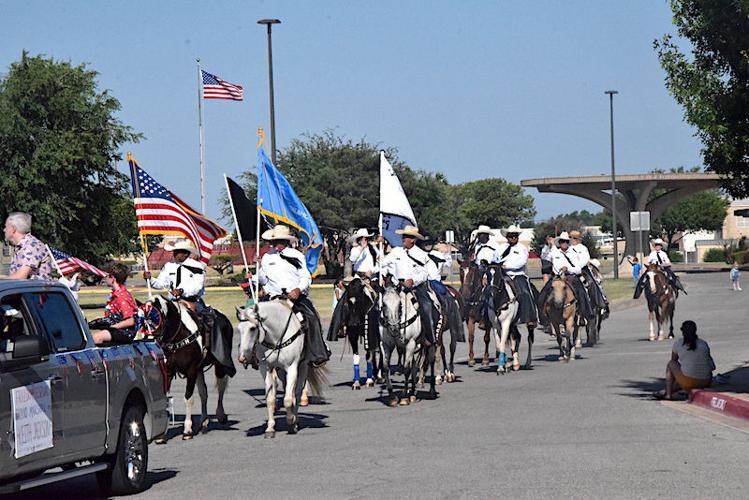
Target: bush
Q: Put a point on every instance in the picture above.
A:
(715, 255)
(675, 256)
(741, 257)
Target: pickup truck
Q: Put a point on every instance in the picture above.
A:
(68, 407)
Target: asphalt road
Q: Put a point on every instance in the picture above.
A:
(587, 429)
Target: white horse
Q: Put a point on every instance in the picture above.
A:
(275, 333)
(505, 307)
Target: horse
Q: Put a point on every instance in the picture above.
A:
(561, 309)
(452, 311)
(275, 334)
(503, 313)
(470, 290)
(598, 300)
(357, 313)
(661, 298)
(400, 330)
(179, 336)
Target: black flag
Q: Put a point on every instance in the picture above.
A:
(244, 209)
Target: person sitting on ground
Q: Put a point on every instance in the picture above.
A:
(31, 258)
(118, 324)
(691, 365)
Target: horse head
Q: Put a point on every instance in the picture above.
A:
(169, 317)
(248, 331)
(560, 291)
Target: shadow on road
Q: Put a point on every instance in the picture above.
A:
(641, 389)
(306, 421)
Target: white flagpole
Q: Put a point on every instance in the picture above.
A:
(201, 138)
(54, 262)
(257, 249)
(239, 236)
(144, 245)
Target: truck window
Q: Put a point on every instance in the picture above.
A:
(14, 322)
(52, 310)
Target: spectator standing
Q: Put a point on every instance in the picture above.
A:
(31, 259)
(735, 275)
(636, 269)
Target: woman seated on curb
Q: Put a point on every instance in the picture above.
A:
(691, 365)
(118, 324)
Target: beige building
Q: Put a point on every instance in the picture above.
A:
(736, 226)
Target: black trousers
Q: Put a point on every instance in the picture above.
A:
(526, 300)
(316, 351)
(426, 311)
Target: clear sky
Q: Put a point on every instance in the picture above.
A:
(472, 89)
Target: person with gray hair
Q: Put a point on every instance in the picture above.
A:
(31, 259)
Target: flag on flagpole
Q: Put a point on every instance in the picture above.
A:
(277, 200)
(216, 88)
(395, 211)
(244, 209)
(159, 211)
(69, 264)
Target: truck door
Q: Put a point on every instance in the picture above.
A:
(30, 396)
(85, 377)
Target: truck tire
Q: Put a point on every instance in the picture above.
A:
(127, 474)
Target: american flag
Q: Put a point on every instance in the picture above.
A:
(160, 211)
(216, 88)
(70, 264)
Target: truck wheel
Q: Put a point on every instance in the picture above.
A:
(129, 463)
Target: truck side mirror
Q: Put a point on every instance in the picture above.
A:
(29, 349)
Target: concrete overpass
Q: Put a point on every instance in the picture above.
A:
(634, 194)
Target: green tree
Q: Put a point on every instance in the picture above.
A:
(703, 211)
(712, 84)
(59, 145)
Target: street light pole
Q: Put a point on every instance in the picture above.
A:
(613, 183)
(268, 23)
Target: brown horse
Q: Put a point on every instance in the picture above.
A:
(561, 309)
(661, 297)
(470, 289)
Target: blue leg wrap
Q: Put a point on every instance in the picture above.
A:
(356, 372)
(502, 359)
(370, 370)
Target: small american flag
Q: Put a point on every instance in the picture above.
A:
(70, 264)
(160, 211)
(216, 88)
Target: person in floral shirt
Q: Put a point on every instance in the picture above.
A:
(31, 259)
(118, 323)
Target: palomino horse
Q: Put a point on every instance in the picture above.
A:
(561, 309)
(178, 335)
(275, 334)
(357, 314)
(502, 314)
(471, 287)
(661, 297)
(401, 331)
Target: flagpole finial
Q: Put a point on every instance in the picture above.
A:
(260, 137)
(129, 156)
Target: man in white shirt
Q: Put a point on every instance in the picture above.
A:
(596, 294)
(363, 255)
(660, 257)
(484, 249)
(283, 272)
(513, 257)
(183, 277)
(408, 264)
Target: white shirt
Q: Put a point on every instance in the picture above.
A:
(486, 251)
(583, 255)
(277, 274)
(653, 258)
(545, 253)
(516, 260)
(433, 269)
(559, 260)
(362, 260)
(191, 278)
(404, 264)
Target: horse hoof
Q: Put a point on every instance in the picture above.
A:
(412, 399)
(380, 380)
(356, 386)
(661, 337)
(393, 403)
(421, 385)
(578, 345)
(670, 335)
(222, 419)
(294, 429)
(269, 434)
(515, 367)
(304, 401)
(651, 338)
(204, 427)
(404, 402)
(471, 362)
(437, 380)
(186, 436)
(369, 382)
(485, 362)
(160, 441)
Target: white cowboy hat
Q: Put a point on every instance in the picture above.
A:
(485, 230)
(595, 263)
(575, 234)
(412, 231)
(362, 233)
(181, 244)
(658, 241)
(512, 229)
(279, 232)
(564, 236)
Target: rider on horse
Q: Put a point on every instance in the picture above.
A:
(484, 249)
(513, 257)
(596, 294)
(283, 273)
(408, 263)
(363, 255)
(565, 260)
(660, 257)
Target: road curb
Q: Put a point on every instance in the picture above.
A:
(720, 402)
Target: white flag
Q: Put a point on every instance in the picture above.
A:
(395, 211)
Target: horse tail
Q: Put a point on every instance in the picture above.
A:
(317, 377)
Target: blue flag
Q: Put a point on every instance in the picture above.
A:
(277, 200)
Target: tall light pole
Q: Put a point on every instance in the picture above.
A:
(268, 23)
(613, 183)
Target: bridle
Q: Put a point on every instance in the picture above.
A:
(401, 326)
(281, 344)
(170, 344)
(563, 278)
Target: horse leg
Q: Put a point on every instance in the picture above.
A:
(431, 355)
(671, 318)
(221, 383)
(289, 398)
(453, 346)
(354, 342)
(203, 393)
(515, 347)
(660, 320)
(487, 339)
(651, 318)
(439, 362)
(386, 354)
(528, 359)
(558, 331)
(189, 392)
(471, 333)
(270, 402)
(410, 370)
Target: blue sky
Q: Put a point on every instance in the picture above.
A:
(471, 89)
